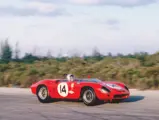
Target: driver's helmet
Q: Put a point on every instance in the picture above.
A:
(70, 77)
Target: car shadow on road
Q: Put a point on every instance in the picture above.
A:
(134, 98)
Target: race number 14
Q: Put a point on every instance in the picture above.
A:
(63, 89)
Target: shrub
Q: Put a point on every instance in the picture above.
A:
(33, 72)
(28, 81)
(3, 67)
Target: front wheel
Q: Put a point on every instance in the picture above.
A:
(43, 95)
(89, 97)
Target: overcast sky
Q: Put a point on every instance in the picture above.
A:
(124, 26)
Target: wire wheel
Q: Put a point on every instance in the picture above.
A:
(89, 97)
(42, 94)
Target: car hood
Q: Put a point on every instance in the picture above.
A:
(120, 88)
(113, 82)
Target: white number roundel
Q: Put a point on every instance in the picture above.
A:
(62, 89)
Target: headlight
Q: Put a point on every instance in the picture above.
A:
(114, 86)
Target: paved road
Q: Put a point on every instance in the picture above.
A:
(18, 104)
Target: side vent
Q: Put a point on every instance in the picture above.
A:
(126, 88)
(106, 89)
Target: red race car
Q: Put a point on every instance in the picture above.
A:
(88, 90)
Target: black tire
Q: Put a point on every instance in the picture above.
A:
(89, 97)
(42, 94)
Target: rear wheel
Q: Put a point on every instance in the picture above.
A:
(42, 94)
(89, 97)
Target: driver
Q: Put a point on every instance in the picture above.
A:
(70, 77)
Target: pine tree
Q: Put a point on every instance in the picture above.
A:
(6, 51)
(49, 54)
(17, 51)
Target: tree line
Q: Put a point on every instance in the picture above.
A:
(8, 54)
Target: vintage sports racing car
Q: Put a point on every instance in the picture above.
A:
(88, 90)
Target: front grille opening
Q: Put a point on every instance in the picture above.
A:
(120, 96)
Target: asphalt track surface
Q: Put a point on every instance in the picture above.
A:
(19, 104)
